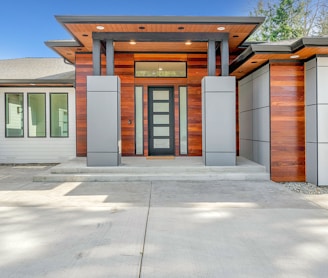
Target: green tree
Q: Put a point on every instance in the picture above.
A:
(290, 19)
(322, 22)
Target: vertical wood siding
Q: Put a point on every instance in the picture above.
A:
(287, 122)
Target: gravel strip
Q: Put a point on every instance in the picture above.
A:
(306, 188)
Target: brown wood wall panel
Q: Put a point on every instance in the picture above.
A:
(124, 68)
(83, 68)
(197, 69)
(287, 122)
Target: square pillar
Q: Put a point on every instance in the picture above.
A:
(211, 58)
(219, 120)
(316, 105)
(96, 57)
(225, 57)
(103, 121)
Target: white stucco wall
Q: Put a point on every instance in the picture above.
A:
(316, 102)
(254, 116)
(37, 150)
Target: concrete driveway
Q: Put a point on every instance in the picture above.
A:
(158, 229)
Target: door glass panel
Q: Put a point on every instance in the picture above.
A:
(161, 119)
(161, 95)
(161, 131)
(162, 143)
(161, 107)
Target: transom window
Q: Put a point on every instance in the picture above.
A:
(160, 69)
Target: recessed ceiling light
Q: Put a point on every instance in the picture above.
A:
(180, 28)
(99, 27)
(85, 35)
(294, 56)
(32, 84)
(132, 42)
(220, 28)
(160, 68)
(188, 43)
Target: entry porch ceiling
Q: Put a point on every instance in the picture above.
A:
(238, 29)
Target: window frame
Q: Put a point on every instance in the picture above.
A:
(50, 114)
(7, 115)
(162, 62)
(186, 122)
(136, 120)
(45, 115)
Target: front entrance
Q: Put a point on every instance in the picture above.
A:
(161, 120)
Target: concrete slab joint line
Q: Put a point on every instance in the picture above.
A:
(146, 227)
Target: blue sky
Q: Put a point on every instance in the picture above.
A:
(26, 24)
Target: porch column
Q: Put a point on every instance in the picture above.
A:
(316, 105)
(219, 120)
(109, 57)
(96, 57)
(224, 57)
(211, 58)
(103, 121)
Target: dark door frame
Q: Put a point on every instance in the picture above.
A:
(171, 137)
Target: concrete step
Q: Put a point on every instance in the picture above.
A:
(126, 177)
(162, 170)
(135, 169)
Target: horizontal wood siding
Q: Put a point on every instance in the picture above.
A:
(124, 68)
(197, 69)
(287, 122)
(83, 68)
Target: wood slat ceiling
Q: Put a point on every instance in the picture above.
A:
(259, 59)
(82, 32)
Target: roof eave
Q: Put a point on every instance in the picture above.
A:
(161, 19)
(31, 82)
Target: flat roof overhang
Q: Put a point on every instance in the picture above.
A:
(257, 55)
(83, 28)
(37, 83)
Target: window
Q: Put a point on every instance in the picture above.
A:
(160, 69)
(139, 119)
(58, 115)
(14, 103)
(36, 115)
(183, 99)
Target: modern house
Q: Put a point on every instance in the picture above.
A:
(178, 86)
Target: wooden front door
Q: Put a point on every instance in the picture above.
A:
(161, 120)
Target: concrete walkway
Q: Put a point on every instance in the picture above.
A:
(158, 229)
